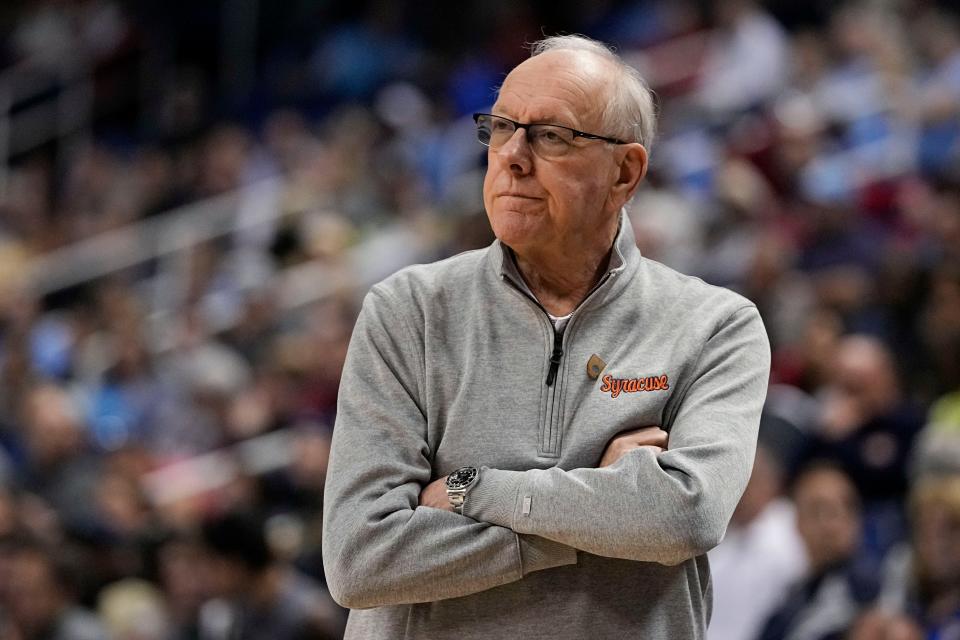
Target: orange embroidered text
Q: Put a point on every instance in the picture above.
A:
(616, 386)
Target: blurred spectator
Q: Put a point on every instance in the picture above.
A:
(935, 507)
(747, 59)
(761, 554)
(869, 426)
(669, 227)
(357, 58)
(784, 296)
(255, 596)
(299, 486)
(178, 558)
(838, 585)
(58, 466)
(134, 610)
(838, 255)
(36, 595)
(126, 399)
(938, 37)
(923, 579)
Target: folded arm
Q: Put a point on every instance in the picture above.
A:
(379, 548)
(665, 507)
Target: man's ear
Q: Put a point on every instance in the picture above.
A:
(633, 168)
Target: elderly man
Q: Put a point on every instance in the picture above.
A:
(499, 464)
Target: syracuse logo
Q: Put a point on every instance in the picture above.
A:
(616, 386)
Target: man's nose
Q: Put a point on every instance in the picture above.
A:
(516, 152)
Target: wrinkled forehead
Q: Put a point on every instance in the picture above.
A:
(561, 86)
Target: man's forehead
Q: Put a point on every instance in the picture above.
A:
(556, 86)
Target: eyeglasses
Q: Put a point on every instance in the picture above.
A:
(546, 140)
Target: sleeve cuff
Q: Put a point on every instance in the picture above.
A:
(493, 498)
(538, 553)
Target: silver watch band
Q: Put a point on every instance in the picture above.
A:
(457, 497)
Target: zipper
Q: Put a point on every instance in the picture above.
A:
(551, 433)
(557, 354)
(555, 357)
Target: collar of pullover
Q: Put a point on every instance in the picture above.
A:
(623, 261)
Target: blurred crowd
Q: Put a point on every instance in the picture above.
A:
(164, 428)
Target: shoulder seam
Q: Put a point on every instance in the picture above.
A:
(696, 362)
(723, 323)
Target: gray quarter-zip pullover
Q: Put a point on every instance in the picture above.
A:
(449, 366)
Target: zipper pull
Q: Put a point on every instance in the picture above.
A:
(555, 358)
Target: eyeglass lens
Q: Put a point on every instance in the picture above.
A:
(544, 139)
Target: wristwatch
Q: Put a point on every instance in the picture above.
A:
(458, 483)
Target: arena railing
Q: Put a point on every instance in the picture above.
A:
(160, 238)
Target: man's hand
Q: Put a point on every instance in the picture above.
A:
(435, 495)
(653, 437)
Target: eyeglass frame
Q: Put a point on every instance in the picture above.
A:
(526, 128)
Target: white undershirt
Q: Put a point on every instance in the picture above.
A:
(560, 322)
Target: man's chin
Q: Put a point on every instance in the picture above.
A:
(516, 228)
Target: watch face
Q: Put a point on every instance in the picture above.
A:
(461, 478)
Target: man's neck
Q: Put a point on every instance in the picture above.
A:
(560, 282)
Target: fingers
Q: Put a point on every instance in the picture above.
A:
(651, 436)
(435, 495)
(611, 456)
(654, 436)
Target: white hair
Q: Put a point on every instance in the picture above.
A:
(630, 113)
